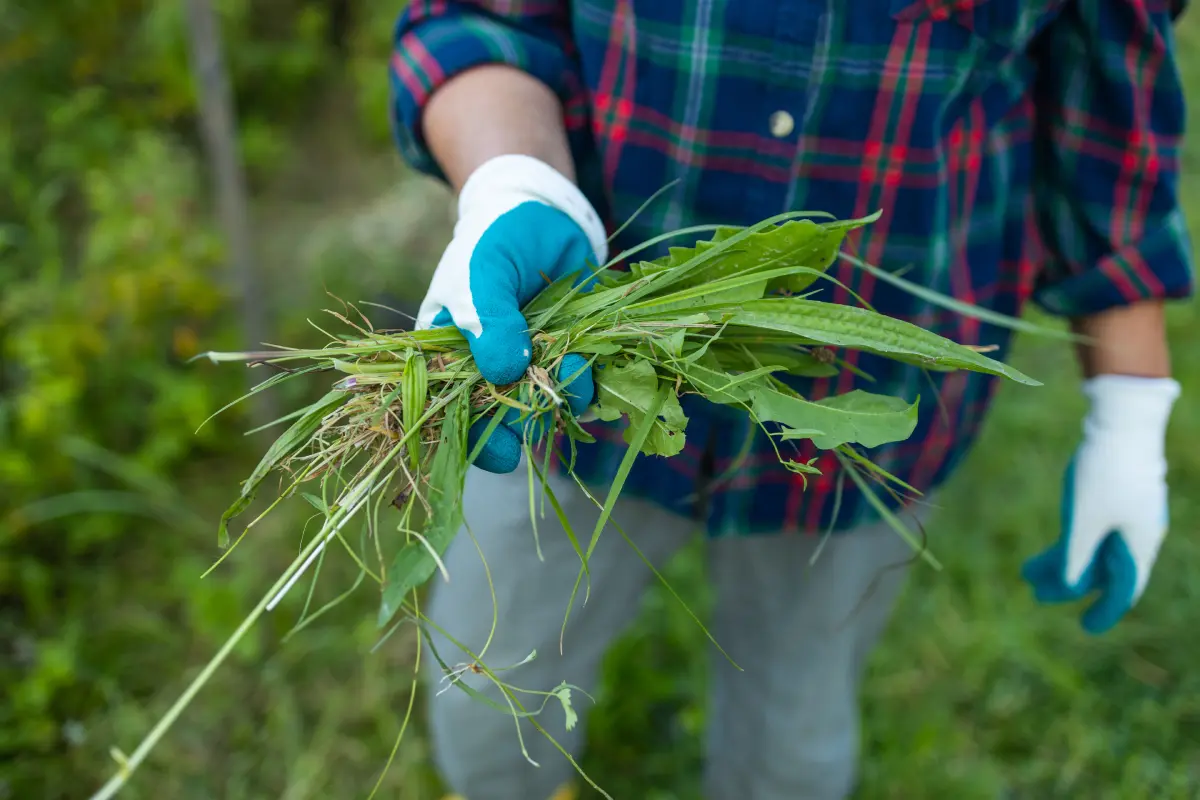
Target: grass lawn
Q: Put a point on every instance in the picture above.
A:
(976, 692)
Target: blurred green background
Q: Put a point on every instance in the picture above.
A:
(113, 276)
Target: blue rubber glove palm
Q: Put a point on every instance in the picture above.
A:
(1114, 507)
(520, 224)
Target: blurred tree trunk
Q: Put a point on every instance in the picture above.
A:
(218, 122)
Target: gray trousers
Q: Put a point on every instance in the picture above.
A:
(786, 726)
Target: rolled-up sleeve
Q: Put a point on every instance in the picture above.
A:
(1110, 121)
(436, 39)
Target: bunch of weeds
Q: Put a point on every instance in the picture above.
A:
(731, 319)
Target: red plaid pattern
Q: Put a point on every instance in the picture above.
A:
(1018, 149)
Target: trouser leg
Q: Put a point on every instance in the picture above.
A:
(787, 727)
(476, 747)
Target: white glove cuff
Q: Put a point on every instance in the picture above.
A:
(504, 182)
(1128, 403)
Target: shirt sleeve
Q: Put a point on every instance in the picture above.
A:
(1110, 120)
(436, 39)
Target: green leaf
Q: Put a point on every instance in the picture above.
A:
(800, 242)
(718, 386)
(857, 328)
(734, 290)
(289, 442)
(414, 563)
(698, 265)
(414, 395)
(595, 345)
(791, 360)
(632, 390)
(857, 417)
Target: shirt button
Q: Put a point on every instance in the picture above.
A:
(781, 124)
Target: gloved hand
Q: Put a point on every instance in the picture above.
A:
(1114, 507)
(520, 224)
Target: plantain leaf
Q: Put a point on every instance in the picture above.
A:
(857, 417)
(414, 563)
(857, 328)
(631, 390)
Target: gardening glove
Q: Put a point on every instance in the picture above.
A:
(1114, 505)
(521, 225)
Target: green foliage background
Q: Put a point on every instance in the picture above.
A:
(112, 277)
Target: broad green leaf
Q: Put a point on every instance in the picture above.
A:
(801, 242)
(857, 417)
(631, 390)
(658, 281)
(297, 436)
(414, 564)
(857, 328)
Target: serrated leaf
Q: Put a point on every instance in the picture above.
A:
(857, 417)
(414, 563)
(630, 390)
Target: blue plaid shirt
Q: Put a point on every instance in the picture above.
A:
(1018, 149)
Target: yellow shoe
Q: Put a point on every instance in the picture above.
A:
(567, 792)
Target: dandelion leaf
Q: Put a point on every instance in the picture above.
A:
(797, 242)
(631, 390)
(857, 417)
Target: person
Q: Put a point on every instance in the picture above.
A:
(1018, 151)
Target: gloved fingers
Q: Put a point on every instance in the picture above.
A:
(1082, 534)
(502, 351)
(1118, 580)
(520, 254)
(501, 453)
(1144, 538)
(502, 450)
(579, 387)
(1044, 573)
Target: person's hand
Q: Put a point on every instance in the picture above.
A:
(521, 224)
(1114, 505)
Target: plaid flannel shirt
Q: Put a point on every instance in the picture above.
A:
(1018, 149)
